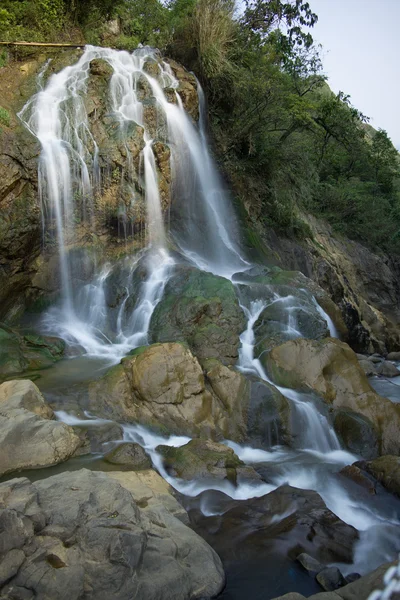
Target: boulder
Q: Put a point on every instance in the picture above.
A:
(293, 315)
(129, 455)
(83, 534)
(330, 579)
(29, 352)
(361, 589)
(386, 469)
(395, 356)
(298, 518)
(368, 367)
(357, 433)
(201, 309)
(94, 435)
(29, 437)
(359, 477)
(203, 459)
(163, 386)
(150, 492)
(310, 564)
(375, 359)
(330, 368)
(387, 369)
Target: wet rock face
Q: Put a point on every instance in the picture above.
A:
(294, 307)
(364, 285)
(20, 230)
(201, 309)
(83, 534)
(331, 369)
(357, 433)
(269, 416)
(298, 518)
(29, 435)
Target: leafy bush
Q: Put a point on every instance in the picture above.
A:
(4, 117)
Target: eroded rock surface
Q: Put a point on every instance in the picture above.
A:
(82, 534)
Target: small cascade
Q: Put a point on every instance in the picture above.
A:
(313, 429)
(205, 223)
(333, 332)
(149, 441)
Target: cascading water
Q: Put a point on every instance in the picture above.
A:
(314, 431)
(69, 167)
(69, 170)
(205, 221)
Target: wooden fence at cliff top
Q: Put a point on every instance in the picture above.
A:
(41, 44)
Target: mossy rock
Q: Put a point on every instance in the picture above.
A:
(30, 352)
(386, 470)
(201, 309)
(129, 455)
(201, 459)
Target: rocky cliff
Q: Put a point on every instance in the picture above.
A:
(364, 284)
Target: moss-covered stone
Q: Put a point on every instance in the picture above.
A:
(202, 309)
(19, 354)
(202, 459)
(386, 470)
(269, 415)
(129, 455)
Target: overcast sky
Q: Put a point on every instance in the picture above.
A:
(361, 56)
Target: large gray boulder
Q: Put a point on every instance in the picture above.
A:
(29, 435)
(83, 535)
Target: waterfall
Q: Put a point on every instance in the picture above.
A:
(206, 224)
(70, 177)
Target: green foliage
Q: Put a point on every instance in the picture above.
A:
(4, 117)
(31, 20)
(3, 58)
(204, 38)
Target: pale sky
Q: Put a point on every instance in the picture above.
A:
(361, 56)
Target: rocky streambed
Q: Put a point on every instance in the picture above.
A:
(99, 520)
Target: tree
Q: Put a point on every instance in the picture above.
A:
(261, 17)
